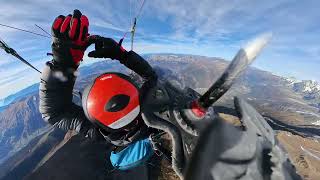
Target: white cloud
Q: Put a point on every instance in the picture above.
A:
(203, 27)
(220, 20)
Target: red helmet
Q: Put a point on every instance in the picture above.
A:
(111, 101)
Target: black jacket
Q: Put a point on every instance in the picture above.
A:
(56, 89)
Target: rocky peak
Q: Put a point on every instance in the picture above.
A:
(307, 86)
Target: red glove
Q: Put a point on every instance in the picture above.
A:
(70, 39)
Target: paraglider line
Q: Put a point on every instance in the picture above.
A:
(133, 26)
(42, 29)
(13, 52)
(19, 29)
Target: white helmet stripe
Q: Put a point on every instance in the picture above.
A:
(125, 120)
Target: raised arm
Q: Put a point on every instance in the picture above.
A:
(70, 39)
(109, 48)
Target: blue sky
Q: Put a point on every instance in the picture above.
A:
(214, 28)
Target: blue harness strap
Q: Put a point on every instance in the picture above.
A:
(132, 156)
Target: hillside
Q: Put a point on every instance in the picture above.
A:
(19, 123)
(19, 95)
(276, 97)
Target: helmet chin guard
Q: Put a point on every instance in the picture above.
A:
(112, 101)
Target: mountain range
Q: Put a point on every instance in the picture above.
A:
(19, 123)
(283, 100)
(19, 95)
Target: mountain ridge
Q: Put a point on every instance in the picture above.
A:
(309, 88)
(18, 95)
(272, 95)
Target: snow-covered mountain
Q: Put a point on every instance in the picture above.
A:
(303, 86)
(307, 86)
(309, 89)
(272, 95)
(290, 80)
(177, 58)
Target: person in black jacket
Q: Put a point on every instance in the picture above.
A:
(110, 98)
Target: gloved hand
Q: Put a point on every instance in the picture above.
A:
(70, 39)
(108, 48)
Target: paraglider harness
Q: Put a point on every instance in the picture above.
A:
(188, 112)
(132, 151)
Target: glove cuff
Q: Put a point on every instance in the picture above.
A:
(61, 58)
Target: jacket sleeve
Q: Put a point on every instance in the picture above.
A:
(56, 104)
(140, 66)
(56, 89)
